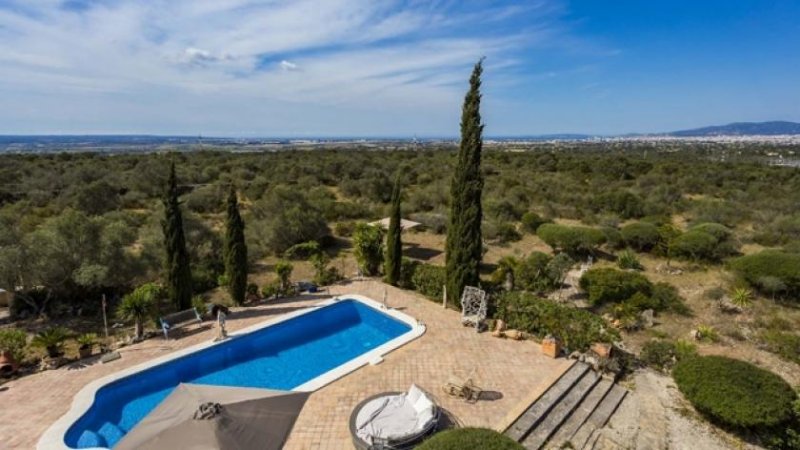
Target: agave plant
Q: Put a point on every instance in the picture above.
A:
(742, 297)
(52, 340)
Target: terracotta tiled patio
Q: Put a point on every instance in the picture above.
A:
(515, 373)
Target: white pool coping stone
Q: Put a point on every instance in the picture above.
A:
(53, 438)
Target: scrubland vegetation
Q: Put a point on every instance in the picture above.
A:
(708, 242)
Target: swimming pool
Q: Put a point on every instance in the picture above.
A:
(301, 351)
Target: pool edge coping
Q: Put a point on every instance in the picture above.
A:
(53, 437)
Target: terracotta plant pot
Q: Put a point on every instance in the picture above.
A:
(551, 347)
(8, 365)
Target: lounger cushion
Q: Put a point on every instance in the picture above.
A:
(423, 404)
(414, 393)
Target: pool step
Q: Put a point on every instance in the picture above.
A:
(570, 410)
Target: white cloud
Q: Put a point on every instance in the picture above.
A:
(287, 65)
(95, 68)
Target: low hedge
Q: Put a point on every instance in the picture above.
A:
(576, 328)
(606, 285)
(470, 438)
(428, 280)
(735, 393)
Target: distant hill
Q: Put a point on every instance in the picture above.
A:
(742, 129)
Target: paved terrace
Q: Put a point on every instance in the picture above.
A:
(515, 373)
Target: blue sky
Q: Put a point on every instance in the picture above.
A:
(393, 68)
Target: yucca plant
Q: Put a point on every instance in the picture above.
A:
(52, 340)
(138, 306)
(742, 297)
(707, 333)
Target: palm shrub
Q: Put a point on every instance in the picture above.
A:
(13, 341)
(138, 306)
(52, 340)
(735, 393)
(368, 248)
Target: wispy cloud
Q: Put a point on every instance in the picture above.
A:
(357, 54)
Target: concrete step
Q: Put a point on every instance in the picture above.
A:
(559, 413)
(539, 409)
(580, 414)
(598, 418)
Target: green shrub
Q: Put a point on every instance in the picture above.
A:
(469, 438)
(368, 248)
(284, 271)
(13, 341)
(782, 343)
(707, 333)
(662, 354)
(641, 236)
(573, 240)
(705, 242)
(613, 238)
(531, 273)
(770, 264)
(407, 269)
(694, 246)
(658, 354)
(501, 232)
(735, 393)
(532, 221)
(576, 328)
(606, 285)
(665, 297)
(428, 280)
(627, 259)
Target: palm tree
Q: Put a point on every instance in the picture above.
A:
(138, 306)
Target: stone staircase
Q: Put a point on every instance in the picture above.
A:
(569, 412)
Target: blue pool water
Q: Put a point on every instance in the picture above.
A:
(281, 356)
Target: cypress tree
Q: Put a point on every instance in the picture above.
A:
(394, 245)
(464, 241)
(179, 274)
(235, 250)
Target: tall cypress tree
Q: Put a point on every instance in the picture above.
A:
(464, 241)
(394, 245)
(235, 250)
(179, 274)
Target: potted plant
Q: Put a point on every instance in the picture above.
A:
(52, 340)
(86, 344)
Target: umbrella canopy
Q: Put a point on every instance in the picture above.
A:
(404, 224)
(199, 417)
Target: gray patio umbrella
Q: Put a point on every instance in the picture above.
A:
(199, 417)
